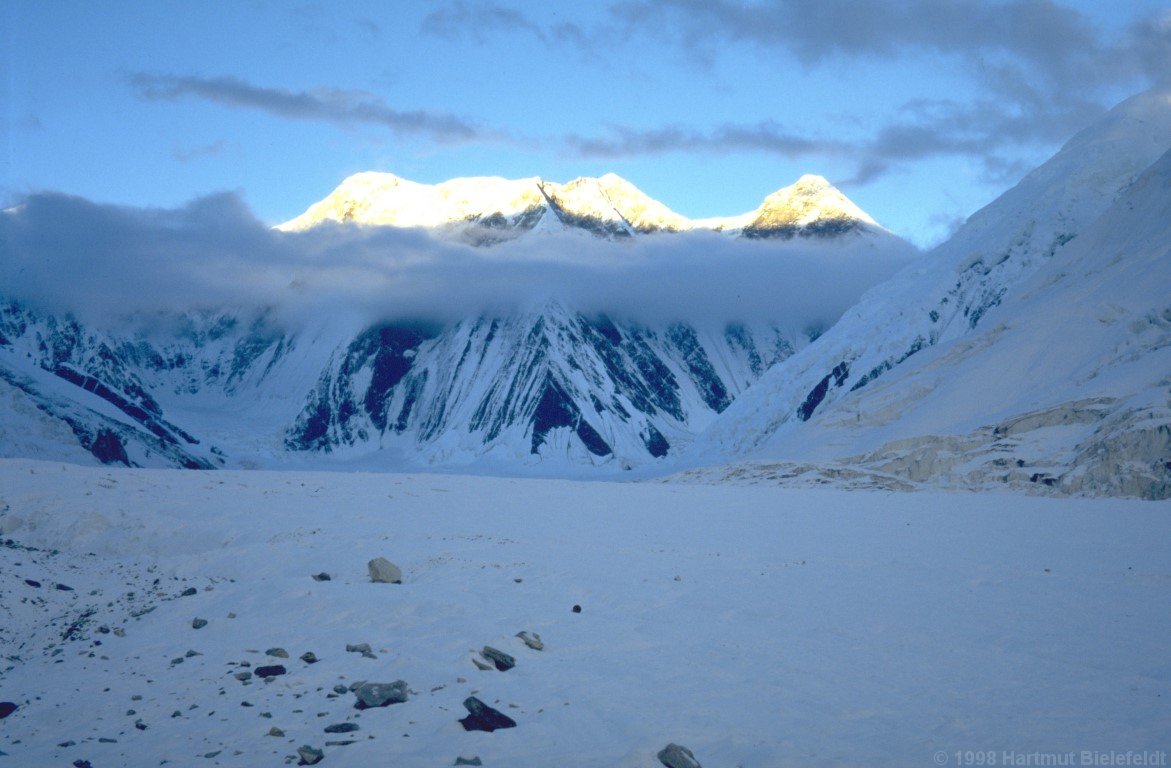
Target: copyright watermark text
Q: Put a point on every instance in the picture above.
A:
(1017, 759)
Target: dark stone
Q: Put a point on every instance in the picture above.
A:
(481, 717)
(198, 623)
(273, 671)
(323, 576)
(341, 728)
(64, 588)
(380, 694)
(468, 761)
(188, 592)
(279, 653)
(309, 755)
(6, 709)
(675, 756)
(502, 660)
(577, 609)
(32, 582)
(82, 764)
(309, 657)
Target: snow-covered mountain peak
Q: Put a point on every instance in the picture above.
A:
(810, 206)
(487, 209)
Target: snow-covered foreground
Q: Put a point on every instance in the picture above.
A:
(756, 626)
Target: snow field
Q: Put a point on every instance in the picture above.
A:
(806, 627)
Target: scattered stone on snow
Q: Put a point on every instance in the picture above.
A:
(243, 676)
(198, 623)
(189, 592)
(384, 572)
(340, 689)
(323, 576)
(7, 708)
(274, 731)
(362, 648)
(341, 728)
(309, 755)
(531, 640)
(482, 717)
(380, 694)
(675, 756)
(309, 657)
(82, 764)
(502, 660)
(272, 671)
(468, 761)
(279, 653)
(577, 609)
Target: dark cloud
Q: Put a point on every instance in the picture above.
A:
(101, 262)
(765, 137)
(1041, 70)
(480, 20)
(334, 105)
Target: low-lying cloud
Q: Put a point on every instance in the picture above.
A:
(106, 263)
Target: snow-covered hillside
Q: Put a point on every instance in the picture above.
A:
(753, 626)
(1031, 349)
(486, 210)
(546, 390)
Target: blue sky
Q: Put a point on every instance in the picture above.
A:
(921, 111)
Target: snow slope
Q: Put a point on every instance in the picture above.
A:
(1031, 348)
(755, 626)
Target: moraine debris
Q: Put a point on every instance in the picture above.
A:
(482, 717)
(382, 571)
(502, 660)
(675, 756)
(380, 694)
(532, 640)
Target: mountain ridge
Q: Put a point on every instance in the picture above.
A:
(485, 210)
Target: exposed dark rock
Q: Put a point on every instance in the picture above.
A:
(272, 671)
(323, 576)
(675, 756)
(481, 717)
(384, 572)
(577, 609)
(64, 588)
(468, 761)
(274, 731)
(279, 653)
(82, 764)
(198, 623)
(502, 660)
(380, 694)
(243, 676)
(341, 728)
(838, 376)
(309, 657)
(309, 755)
(32, 582)
(6, 709)
(188, 592)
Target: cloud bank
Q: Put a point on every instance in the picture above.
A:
(105, 263)
(1040, 70)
